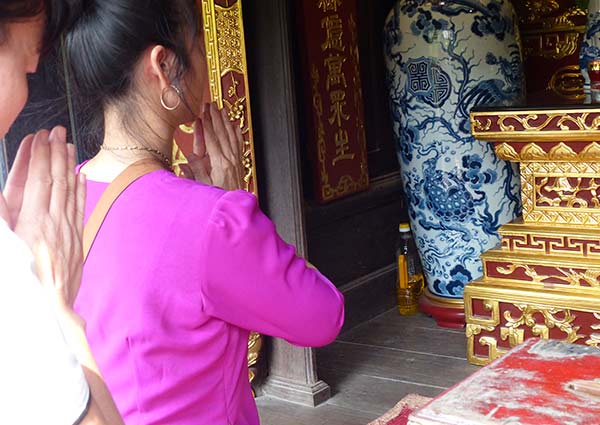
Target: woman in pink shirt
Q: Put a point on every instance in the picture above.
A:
(180, 271)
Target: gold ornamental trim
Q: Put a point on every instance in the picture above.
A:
(594, 339)
(542, 259)
(581, 125)
(536, 314)
(568, 82)
(226, 59)
(518, 292)
(539, 152)
(566, 206)
(552, 44)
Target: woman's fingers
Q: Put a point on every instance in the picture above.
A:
(37, 192)
(199, 141)
(17, 178)
(80, 196)
(213, 145)
(200, 168)
(220, 129)
(234, 150)
(58, 170)
(71, 183)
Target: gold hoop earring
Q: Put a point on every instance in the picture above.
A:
(162, 98)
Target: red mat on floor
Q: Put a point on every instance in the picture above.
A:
(399, 414)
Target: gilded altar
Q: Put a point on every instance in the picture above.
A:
(544, 278)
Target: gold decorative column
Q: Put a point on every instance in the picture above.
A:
(543, 280)
(223, 31)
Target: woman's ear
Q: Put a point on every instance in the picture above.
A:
(161, 65)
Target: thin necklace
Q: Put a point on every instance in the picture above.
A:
(163, 158)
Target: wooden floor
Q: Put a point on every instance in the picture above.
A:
(371, 367)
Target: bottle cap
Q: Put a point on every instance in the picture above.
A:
(404, 228)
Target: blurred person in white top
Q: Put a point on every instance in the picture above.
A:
(47, 373)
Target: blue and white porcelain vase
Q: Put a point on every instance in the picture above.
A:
(590, 46)
(444, 57)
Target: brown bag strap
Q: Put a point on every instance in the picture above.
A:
(110, 195)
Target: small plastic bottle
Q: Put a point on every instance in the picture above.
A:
(410, 283)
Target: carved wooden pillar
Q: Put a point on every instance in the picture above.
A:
(292, 370)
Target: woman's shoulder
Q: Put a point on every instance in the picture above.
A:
(195, 195)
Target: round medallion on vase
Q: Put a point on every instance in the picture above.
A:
(444, 58)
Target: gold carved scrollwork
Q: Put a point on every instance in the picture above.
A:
(543, 210)
(594, 340)
(524, 121)
(551, 320)
(579, 121)
(569, 276)
(566, 194)
(480, 126)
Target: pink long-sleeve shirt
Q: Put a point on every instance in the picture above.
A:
(178, 275)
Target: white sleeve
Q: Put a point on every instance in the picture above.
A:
(41, 381)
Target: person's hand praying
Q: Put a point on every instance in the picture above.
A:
(44, 202)
(217, 154)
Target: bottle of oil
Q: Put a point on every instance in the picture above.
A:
(410, 283)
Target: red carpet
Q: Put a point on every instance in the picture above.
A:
(399, 414)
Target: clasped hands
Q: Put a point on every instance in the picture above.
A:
(216, 159)
(43, 203)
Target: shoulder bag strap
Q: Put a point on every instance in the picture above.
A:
(110, 195)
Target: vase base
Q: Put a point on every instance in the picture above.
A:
(448, 313)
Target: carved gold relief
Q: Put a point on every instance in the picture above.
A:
(538, 152)
(594, 339)
(569, 276)
(568, 82)
(539, 13)
(537, 209)
(472, 331)
(582, 245)
(536, 126)
(538, 9)
(554, 46)
(527, 122)
(551, 321)
(566, 194)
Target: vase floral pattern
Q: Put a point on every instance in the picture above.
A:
(444, 58)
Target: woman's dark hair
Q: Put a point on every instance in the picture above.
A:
(109, 37)
(105, 44)
(57, 16)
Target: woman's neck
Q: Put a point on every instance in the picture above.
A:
(120, 149)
